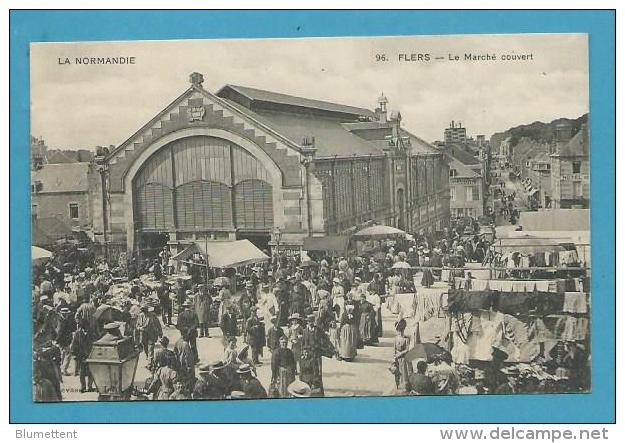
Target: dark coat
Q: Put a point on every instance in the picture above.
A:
(228, 325)
(253, 388)
(255, 333)
(273, 337)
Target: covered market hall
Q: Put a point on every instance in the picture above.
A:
(271, 168)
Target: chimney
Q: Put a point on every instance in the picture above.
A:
(395, 124)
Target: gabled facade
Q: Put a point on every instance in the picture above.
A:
(269, 167)
(570, 169)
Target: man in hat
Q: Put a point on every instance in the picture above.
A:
(210, 385)
(187, 325)
(82, 341)
(164, 356)
(181, 293)
(249, 383)
(310, 371)
(67, 326)
(202, 303)
(274, 334)
(166, 307)
(299, 389)
(312, 290)
(318, 344)
(149, 330)
(228, 324)
(255, 335)
(185, 361)
(246, 301)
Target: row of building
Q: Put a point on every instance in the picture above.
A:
(245, 163)
(556, 173)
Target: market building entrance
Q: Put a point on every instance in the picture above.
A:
(202, 186)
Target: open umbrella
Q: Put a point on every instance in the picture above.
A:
(425, 351)
(107, 313)
(377, 232)
(401, 265)
(40, 255)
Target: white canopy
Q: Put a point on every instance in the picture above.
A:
(225, 254)
(40, 255)
(378, 231)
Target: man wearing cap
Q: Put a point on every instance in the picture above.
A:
(249, 383)
(187, 325)
(255, 335)
(209, 385)
(149, 330)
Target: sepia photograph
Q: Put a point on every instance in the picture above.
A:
(310, 217)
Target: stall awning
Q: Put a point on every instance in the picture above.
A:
(331, 243)
(228, 254)
(378, 232)
(529, 244)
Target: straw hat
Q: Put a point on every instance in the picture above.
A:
(299, 389)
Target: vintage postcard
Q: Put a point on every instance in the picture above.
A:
(313, 217)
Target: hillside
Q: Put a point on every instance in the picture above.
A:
(537, 131)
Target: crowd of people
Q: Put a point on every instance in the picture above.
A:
(289, 313)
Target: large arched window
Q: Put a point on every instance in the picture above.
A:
(200, 184)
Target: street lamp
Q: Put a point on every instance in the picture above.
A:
(277, 235)
(113, 364)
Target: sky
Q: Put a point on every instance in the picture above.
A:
(82, 106)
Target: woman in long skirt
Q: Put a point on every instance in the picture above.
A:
(282, 369)
(428, 279)
(348, 339)
(404, 367)
(368, 327)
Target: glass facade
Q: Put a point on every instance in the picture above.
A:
(202, 184)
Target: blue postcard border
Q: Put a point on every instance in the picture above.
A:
(80, 25)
